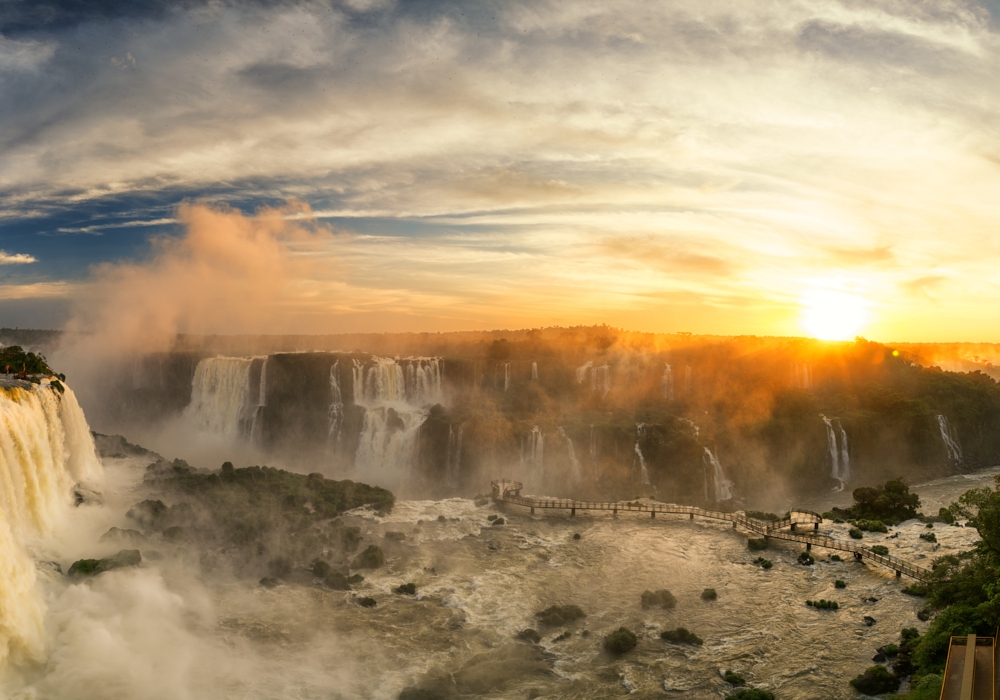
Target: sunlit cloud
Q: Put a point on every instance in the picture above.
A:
(15, 258)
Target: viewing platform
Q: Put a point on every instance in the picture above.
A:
(970, 673)
(509, 492)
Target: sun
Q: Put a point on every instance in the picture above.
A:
(829, 314)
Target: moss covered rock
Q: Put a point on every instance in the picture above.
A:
(371, 558)
(92, 567)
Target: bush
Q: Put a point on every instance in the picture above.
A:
(840, 584)
(890, 502)
(763, 563)
(855, 533)
(576, 535)
(367, 602)
(806, 559)
(946, 516)
(681, 635)
(371, 558)
(664, 598)
(836, 557)
(880, 549)
(620, 641)
(908, 634)
(890, 650)
(928, 536)
(529, 635)
(565, 635)
(406, 589)
(822, 604)
(926, 688)
(917, 589)
(92, 567)
(757, 544)
(560, 615)
(872, 526)
(751, 694)
(709, 594)
(734, 678)
(877, 680)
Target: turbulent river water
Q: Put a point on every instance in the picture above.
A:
(164, 631)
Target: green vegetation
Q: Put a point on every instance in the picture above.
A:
(751, 694)
(835, 557)
(663, 598)
(890, 502)
(925, 688)
(871, 526)
(560, 615)
(367, 602)
(371, 558)
(757, 544)
(890, 650)
(928, 536)
(733, 678)
(92, 567)
(14, 360)
(762, 515)
(529, 635)
(880, 549)
(406, 589)
(565, 635)
(917, 589)
(763, 563)
(806, 559)
(840, 584)
(855, 533)
(620, 641)
(709, 594)
(822, 604)
(877, 680)
(681, 635)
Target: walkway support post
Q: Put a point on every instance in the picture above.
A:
(532, 510)
(572, 512)
(793, 527)
(692, 516)
(809, 546)
(815, 526)
(652, 514)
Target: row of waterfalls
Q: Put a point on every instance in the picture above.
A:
(46, 450)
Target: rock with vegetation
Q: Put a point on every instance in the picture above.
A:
(367, 602)
(27, 365)
(336, 581)
(557, 615)
(855, 533)
(92, 567)
(406, 589)
(757, 544)
(371, 558)
(733, 678)
(662, 598)
(681, 635)
(620, 641)
(529, 635)
(928, 536)
(709, 594)
(763, 563)
(877, 680)
(823, 604)
(751, 694)
(321, 569)
(879, 549)
(891, 502)
(840, 583)
(871, 526)
(117, 534)
(395, 535)
(806, 559)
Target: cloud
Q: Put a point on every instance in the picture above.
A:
(36, 290)
(15, 258)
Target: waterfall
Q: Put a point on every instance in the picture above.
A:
(581, 372)
(640, 429)
(723, 486)
(336, 410)
(536, 445)
(577, 473)
(423, 381)
(220, 396)
(840, 465)
(667, 383)
(950, 438)
(45, 449)
(388, 440)
(534, 370)
(802, 376)
(600, 379)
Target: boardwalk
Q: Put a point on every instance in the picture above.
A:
(509, 492)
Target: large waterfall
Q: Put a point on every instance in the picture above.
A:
(336, 410)
(950, 438)
(723, 486)
(220, 396)
(574, 462)
(536, 451)
(45, 449)
(600, 377)
(836, 444)
(640, 430)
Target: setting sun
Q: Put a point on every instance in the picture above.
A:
(832, 315)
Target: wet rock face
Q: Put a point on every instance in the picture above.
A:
(92, 567)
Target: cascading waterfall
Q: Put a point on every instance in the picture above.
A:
(667, 383)
(640, 429)
(256, 425)
(536, 451)
(950, 437)
(802, 376)
(840, 460)
(336, 410)
(220, 396)
(45, 449)
(581, 372)
(534, 370)
(423, 380)
(600, 379)
(577, 472)
(723, 486)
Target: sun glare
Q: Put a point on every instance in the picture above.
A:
(832, 315)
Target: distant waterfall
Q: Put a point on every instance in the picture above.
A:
(336, 410)
(505, 368)
(577, 472)
(640, 429)
(423, 380)
(836, 444)
(667, 383)
(723, 486)
(220, 396)
(802, 376)
(414, 381)
(581, 372)
(600, 377)
(950, 438)
(45, 449)
(536, 451)
(534, 370)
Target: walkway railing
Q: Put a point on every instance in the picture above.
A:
(510, 492)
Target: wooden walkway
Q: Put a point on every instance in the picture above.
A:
(510, 492)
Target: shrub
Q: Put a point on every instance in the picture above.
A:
(576, 535)
(880, 549)
(367, 602)
(620, 641)
(872, 526)
(806, 559)
(92, 567)
(926, 688)
(836, 557)
(371, 558)
(946, 516)
(664, 598)
(917, 589)
(908, 634)
(734, 678)
(442, 519)
(406, 589)
(529, 635)
(840, 584)
(560, 615)
(822, 604)
(762, 515)
(757, 544)
(924, 614)
(709, 594)
(565, 635)
(681, 635)
(877, 680)
(763, 563)
(890, 650)
(928, 536)
(751, 694)
(855, 533)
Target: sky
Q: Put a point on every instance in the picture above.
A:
(786, 167)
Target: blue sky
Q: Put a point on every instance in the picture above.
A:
(702, 166)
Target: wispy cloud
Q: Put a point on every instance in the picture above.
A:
(15, 258)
